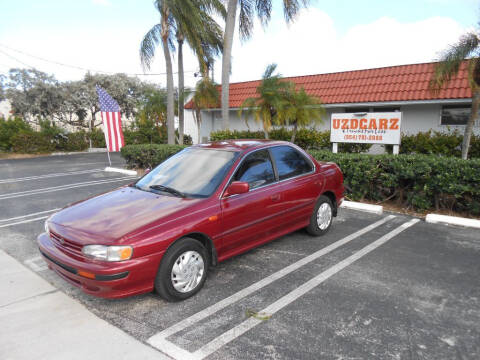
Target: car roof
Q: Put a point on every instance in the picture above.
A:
(240, 144)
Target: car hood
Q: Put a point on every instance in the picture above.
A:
(109, 217)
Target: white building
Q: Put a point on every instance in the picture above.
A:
(402, 88)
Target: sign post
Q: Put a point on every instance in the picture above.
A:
(366, 128)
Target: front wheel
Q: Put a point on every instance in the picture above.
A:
(183, 270)
(321, 218)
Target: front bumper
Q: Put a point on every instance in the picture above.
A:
(112, 279)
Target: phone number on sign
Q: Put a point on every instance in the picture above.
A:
(364, 137)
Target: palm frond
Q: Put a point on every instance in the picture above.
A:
(292, 7)
(452, 59)
(247, 11)
(149, 44)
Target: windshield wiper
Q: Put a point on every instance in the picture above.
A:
(168, 189)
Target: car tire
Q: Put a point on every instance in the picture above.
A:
(182, 271)
(322, 216)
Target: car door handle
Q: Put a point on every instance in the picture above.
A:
(275, 197)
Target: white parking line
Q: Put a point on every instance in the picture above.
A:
(24, 221)
(80, 172)
(62, 187)
(159, 340)
(28, 215)
(251, 322)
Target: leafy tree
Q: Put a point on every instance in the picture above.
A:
(24, 79)
(190, 19)
(206, 95)
(299, 109)
(3, 78)
(248, 9)
(466, 50)
(205, 38)
(271, 97)
(32, 92)
(34, 95)
(154, 109)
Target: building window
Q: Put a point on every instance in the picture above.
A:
(387, 109)
(372, 109)
(455, 115)
(357, 110)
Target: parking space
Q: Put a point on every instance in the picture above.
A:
(375, 287)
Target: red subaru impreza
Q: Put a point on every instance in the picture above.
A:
(199, 207)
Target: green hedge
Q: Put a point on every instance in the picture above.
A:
(437, 143)
(148, 155)
(417, 182)
(18, 136)
(305, 138)
(31, 143)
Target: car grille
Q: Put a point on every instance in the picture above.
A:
(66, 245)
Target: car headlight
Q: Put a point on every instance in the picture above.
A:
(108, 253)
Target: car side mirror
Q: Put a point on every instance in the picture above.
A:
(236, 187)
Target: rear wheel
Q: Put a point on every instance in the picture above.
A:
(183, 270)
(322, 216)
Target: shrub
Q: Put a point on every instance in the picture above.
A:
(417, 182)
(148, 155)
(75, 141)
(437, 143)
(31, 142)
(97, 137)
(9, 128)
(305, 138)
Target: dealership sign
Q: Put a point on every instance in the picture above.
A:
(371, 128)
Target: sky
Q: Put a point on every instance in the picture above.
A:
(330, 36)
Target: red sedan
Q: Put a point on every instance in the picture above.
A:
(201, 206)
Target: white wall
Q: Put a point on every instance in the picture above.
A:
(416, 118)
(5, 109)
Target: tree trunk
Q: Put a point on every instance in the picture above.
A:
(198, 117)
(471, 121)
(294, 132)
(227, 59)
(168, 61)
(181, 92)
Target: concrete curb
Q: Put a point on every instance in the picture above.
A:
(452, 220)
(60, 153)
(89, 151)
(375, 209)
(122, 171)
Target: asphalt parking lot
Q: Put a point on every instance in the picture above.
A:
(375, 287)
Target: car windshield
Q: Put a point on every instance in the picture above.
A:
(192, 172)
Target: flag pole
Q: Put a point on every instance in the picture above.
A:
(108, 154)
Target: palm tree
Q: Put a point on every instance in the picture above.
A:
(205, 38)
(466, 50)
(189, 20)
(300, 109)
(206, 95)
(248, 8)
(271, 96)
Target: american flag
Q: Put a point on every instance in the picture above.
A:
(112, 120)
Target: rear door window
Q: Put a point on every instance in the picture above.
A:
(256, 169)
(290, 162)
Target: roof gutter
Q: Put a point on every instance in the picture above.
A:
(382, 103)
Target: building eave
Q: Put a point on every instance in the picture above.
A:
(382, 103)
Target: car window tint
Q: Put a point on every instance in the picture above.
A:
(256, 169)
(290, 162)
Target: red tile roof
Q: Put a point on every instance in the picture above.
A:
(393, 83)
